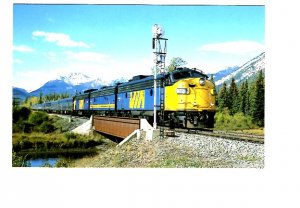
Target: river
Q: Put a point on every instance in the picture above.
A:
(39, 159)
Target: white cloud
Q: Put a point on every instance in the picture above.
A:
(23, 48)
(233, 47)
(60, 39)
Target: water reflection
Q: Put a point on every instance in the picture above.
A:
(50, 158)
(41, 162)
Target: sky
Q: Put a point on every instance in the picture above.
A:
(114, 41)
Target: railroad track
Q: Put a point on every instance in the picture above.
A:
(209, 132)
(224, 134)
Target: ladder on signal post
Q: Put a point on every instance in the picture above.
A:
(162, 107)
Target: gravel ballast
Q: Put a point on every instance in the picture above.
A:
(235, 154)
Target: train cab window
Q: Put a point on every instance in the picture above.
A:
(151, 92)
(187, 74)
(181, 75)
(126, 94)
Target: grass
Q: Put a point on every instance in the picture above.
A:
(258, 131)
(41, 141)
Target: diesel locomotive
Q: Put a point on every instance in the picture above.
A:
(185, 99)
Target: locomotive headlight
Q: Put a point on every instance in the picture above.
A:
(202, 81)
(213, 92)
(182, 91)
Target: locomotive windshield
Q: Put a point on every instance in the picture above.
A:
(187, 74)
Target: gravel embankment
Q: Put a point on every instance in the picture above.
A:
(236, 154)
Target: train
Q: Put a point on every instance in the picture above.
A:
(186, 98)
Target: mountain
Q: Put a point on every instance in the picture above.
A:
(19, 93)
(75, 82)
(223, 73)
(76, 79)
(247, 71)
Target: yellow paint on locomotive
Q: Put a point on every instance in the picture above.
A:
(197, 98)
(137, 99)
(81, 104)
(92, 106)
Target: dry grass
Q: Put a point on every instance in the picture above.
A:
(259, 131)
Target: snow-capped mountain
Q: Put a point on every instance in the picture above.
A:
(75, 82)
(247, 71)
(76, 79)
(223, 73)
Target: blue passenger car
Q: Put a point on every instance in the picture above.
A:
(103, 100)
(63, 106)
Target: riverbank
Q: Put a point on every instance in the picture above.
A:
(30, 141)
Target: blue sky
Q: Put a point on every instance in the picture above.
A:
(114, 41)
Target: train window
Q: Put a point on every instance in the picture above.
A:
(151, 92)
(126, 94)
(187, 74)
(181, 75)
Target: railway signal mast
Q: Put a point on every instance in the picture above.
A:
(159, 46)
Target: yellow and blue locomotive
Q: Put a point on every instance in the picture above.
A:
(188, 99)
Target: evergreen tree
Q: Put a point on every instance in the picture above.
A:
(244, 104)
(215, 90)
(233, 98)
(223, 97)
(41, 97)
(258, 113)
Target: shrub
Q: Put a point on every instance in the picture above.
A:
(17, 127)
(38, 118)
(224, 121)
(19, 161)
(63, 163)
(46, 127)
(22, 126)
(20, 114)
(70, 135)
